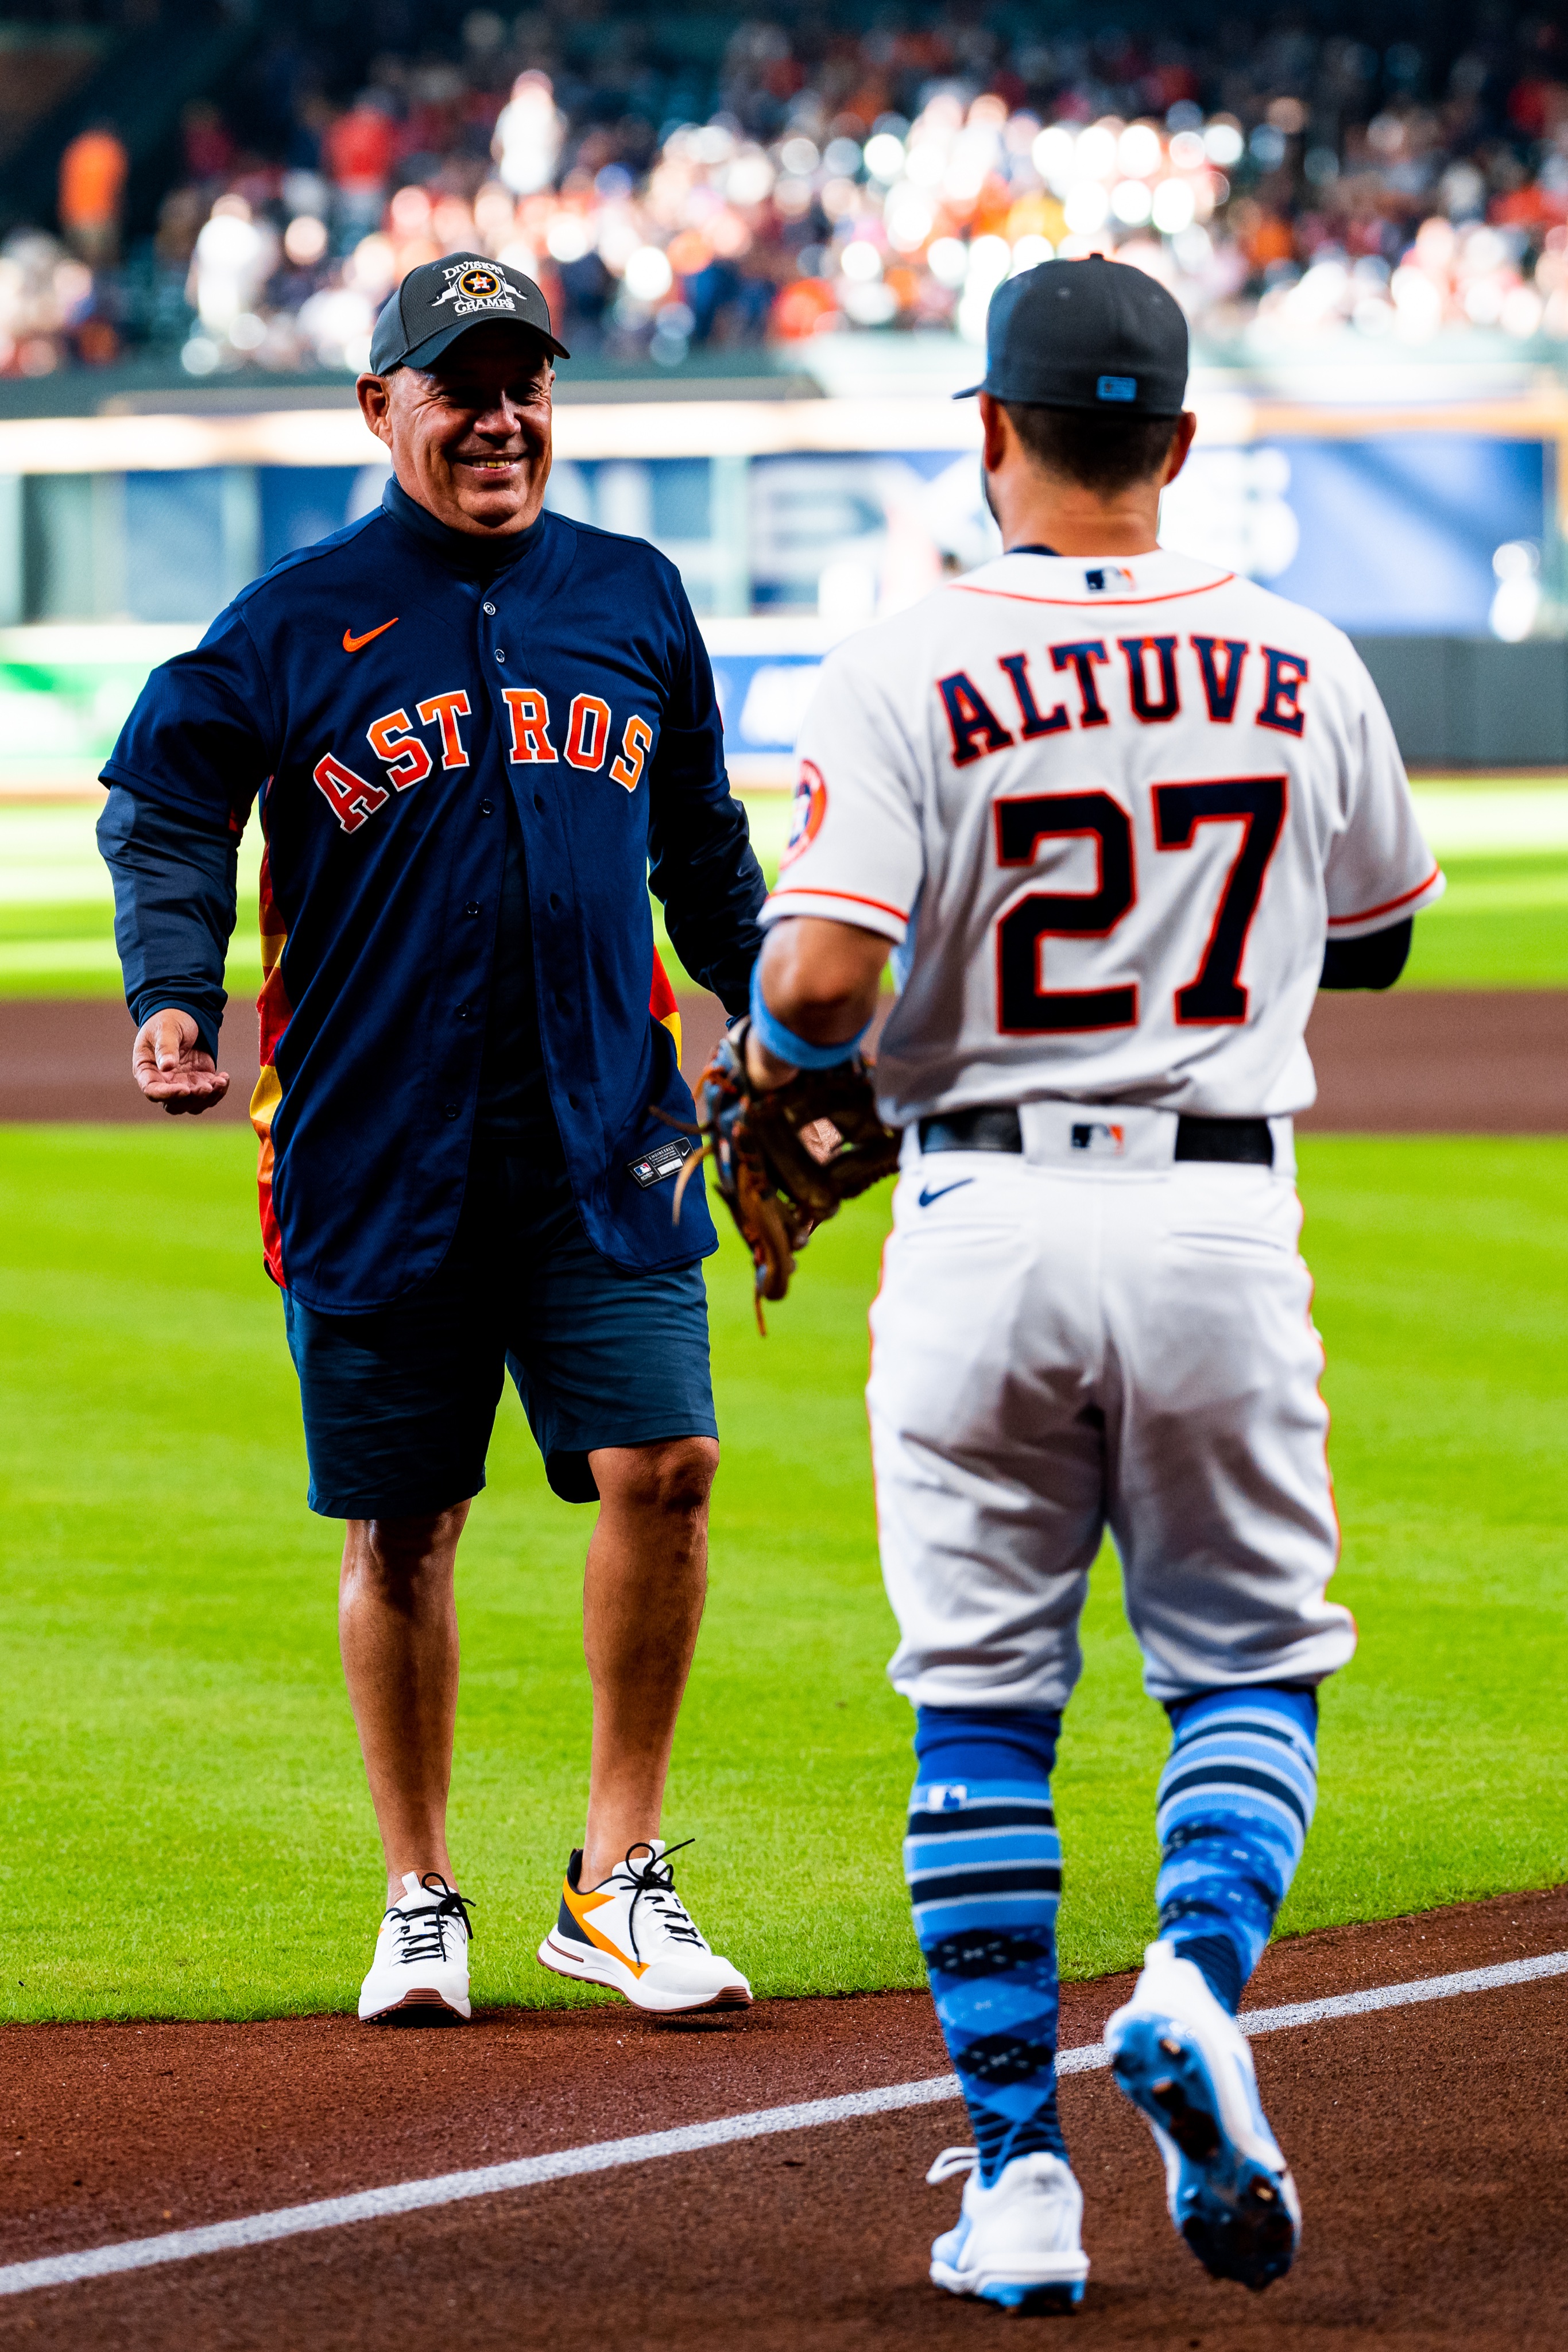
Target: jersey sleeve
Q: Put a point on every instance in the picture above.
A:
(200, 739)
(1379, 867)
(701, 864)
(855, 852)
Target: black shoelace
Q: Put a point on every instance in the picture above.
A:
(422, 1934)
(654, 1884)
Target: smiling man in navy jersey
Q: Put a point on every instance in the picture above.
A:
(476, 732)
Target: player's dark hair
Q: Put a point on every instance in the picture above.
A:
(1101, 453)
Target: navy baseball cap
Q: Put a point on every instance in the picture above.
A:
(1086, 334)
(441, 299)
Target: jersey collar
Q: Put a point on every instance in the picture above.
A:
(460, 551)
(1091, 580)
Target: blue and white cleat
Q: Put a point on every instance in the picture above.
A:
(1017, 2244)
(1185, 2062)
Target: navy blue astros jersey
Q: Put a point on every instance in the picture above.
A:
(382, 707)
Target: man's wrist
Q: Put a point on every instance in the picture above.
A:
(764, 1070)
(782, 1044)
(206, 1028)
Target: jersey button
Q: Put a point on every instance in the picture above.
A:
(491, 609)
(554, 903)
(472, 909)
(499, 655)
(539, 804)
(464, 1012)
(486, 808)
(451, 1111)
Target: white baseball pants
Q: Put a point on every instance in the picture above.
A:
(1080, 1337)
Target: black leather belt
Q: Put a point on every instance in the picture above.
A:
(995, 1128)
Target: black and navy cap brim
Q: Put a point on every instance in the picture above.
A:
(1062, 396)
(422, 354)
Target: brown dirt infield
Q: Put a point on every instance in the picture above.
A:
(1427, 2141)
(1419, 1061)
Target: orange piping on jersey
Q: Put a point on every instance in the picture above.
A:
(1093, 604)
(1328, 1431)
(870, 1368)
(804, 891)
(663, 1006)
(1388, 904)
(274, 1009)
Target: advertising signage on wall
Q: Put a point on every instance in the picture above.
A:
(793, 522)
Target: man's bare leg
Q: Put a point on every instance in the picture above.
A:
(643, 1590)
(397, 1627)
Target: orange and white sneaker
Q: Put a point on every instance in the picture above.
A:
(633, 1934)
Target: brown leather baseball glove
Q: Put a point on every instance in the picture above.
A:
(786, 1159)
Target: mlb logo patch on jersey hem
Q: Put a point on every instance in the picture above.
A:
(662, 1161)
(1097, 1136)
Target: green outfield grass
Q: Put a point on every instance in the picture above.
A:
(1503, 923)
(186, 1830)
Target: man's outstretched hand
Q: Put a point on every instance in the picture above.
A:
(169, 1066)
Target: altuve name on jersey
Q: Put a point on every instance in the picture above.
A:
(983, 722)
(406, 758)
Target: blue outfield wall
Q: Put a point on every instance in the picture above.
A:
(1397, 535)
(1394, 536)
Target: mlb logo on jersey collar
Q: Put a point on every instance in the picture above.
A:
(1094, 1135)
(1107, 579)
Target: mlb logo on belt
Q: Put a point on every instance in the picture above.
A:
(1093, 1135)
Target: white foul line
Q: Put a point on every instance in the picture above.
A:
(604, 2156)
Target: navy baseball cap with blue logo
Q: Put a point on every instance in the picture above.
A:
(443, 299)
(1086, 334)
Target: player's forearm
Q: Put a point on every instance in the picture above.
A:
(174, 908)
(820, 983)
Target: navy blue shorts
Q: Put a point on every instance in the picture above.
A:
(398, 1405)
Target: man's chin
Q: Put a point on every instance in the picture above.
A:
(483, 505)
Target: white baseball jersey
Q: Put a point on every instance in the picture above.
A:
(1109, 811)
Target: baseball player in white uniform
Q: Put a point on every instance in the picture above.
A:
(1116, 816)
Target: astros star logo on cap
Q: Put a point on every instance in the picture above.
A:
(439, 300)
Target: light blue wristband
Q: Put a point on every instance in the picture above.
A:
(783, 1044)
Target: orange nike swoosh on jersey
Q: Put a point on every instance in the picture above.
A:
(353, 645)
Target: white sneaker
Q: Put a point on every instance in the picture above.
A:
(1021, 2242)
(634, 1933)
(420, 1973)
(1183, 2060)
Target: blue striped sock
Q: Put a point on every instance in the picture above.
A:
(984, 1864)
(1234, 1807)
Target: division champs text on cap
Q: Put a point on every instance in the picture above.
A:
(441, 299)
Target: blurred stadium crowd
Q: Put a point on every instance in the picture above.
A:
(809, 178)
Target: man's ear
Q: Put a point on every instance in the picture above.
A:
(1181, 443)
(994, 425)
(375, 396)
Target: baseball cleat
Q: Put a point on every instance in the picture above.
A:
(1017, 2244)
(1179, 2056)
(420, 1973)
(634, 1933)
